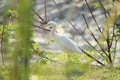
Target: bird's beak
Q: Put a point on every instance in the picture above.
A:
(44, 26)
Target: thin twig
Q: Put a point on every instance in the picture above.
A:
(108, 40)
(99, 1)
(41, 28)
(113, 32)
(95, 19)
(37, 53)
(109, 43)
(39, 16)
(116, 41)
(91, 57)
(94, 37)
(45, 10)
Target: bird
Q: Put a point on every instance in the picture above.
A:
(65, 43)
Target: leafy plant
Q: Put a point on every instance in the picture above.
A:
(17, 48)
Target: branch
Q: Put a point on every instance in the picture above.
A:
(45, 10)
(94, 37)
(41, 28)
(91, 57)
(37, 53)
(99, 1)
(116, 41)
(38, 15)
(95, 19)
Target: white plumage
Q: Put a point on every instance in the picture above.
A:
(65, 43)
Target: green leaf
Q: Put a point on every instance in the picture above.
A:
(42, 54)
(97, 5)
(35, 46)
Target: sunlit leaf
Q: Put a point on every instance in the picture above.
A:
(35, 46)
(97, 5)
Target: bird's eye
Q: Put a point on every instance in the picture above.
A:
(50, 27)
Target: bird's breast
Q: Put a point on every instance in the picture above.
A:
(65, 43)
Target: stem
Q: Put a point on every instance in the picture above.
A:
(108, 47)
(95, 20)
(41, 28)
(103, 8)
(92, 57)
(94, 37)
(38, 15)
(109, 43)
(2, 43)
(45, 10)
(109, 55)
(37, 53)
(113, 33)
(116, 41)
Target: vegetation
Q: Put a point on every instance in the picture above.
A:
(18, 47)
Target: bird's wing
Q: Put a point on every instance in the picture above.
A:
(67, 44)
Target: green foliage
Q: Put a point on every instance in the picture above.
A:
(97, 5)
(4, 73)
(106, 49)
(35, 46)
(70, 70)
(74, 70)
(12, 14)
(23, 40)
(62, 68)
(49, 66)
(20, 31)
(65, 71)
(101, 73)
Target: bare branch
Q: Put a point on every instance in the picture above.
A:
(39, 16)
(94, 37)
(99, 1)
(91, 57)
(95, 19)
(45, 10)
(116, 41)
(41, 28)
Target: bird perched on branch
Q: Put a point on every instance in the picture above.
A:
(65, 43)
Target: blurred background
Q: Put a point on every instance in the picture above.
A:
(71, 10)
(29, 53)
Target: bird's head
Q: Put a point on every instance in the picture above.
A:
(51, 25)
